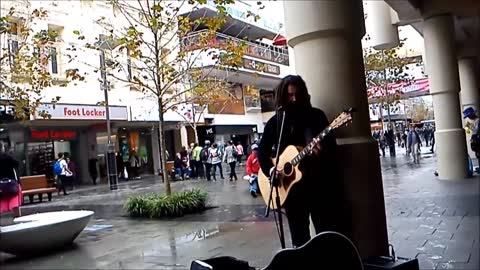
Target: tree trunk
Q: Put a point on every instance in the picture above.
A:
(195, 132)
(163, 147)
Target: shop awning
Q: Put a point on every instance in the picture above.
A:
(280, 41)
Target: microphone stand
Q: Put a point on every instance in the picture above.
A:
(274, 183)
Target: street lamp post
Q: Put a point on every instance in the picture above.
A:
(110, 154)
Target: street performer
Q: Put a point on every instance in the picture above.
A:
(319, 192)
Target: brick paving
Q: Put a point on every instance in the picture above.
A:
(432, 220)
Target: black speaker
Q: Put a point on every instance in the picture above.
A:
(384, 263)
(220, 263)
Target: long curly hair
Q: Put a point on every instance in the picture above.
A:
(281, 91)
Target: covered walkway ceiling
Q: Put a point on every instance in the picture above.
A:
(465, 12)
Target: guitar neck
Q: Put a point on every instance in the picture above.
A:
(306, 151)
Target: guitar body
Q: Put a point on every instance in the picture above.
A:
(286, 182)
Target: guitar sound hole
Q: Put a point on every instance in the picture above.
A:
(288, 169)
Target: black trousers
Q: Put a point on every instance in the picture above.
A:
(62, 183)
(325, 207)
(193, 167)
(233, 174)
(199, 170)
(208, 168)
(214, 170)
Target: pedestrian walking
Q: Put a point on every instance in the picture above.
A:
(216, 161)
(230, 157)
(206, 160)
(240, 153)
(9, 181)
(413, 144)
(61, 172)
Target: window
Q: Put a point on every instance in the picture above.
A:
(13, 46)
(53, 60)
(129, 66)
(267, 98)
(12, 51)
(55, 32)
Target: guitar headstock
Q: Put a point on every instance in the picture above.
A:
(342, 119)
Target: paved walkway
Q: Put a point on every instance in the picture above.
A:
(435, 221)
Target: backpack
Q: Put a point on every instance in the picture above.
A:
(475, 143)
(234, 151)
(204, 154)
(57, 169)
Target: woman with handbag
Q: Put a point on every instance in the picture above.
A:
(10, 188)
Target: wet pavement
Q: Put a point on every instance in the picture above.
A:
(435, 221)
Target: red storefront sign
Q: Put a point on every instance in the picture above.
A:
(53, 135)
(417, 86)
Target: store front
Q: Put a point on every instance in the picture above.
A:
(135, 142)
(72, 129)
(245, 134)
(44, 145)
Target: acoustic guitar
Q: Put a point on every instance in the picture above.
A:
(290, 159)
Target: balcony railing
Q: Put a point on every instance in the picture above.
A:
(266, 52)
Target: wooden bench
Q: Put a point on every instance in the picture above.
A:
(36, 184)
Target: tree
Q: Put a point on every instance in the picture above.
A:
(202, 94)
(24, 61)
(419, 111)
(165, 53)
(386, 73)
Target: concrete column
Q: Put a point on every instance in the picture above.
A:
(424, 60)
(470, 91)
(326, 38)
(383, 34)
(439, 36)
(155, 151)
(469, 85)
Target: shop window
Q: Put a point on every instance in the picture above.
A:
(267, 98)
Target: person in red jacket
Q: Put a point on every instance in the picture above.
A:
(252, 170)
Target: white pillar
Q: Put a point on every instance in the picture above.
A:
(470, 91)
(424, 60)
(383, 34)
(469, 85)
(439, 36)
(326, 37)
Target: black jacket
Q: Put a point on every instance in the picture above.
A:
(7, 164)
(299, 129)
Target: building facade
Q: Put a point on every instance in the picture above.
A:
(239, 115)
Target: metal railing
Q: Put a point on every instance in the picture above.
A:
(266, 52)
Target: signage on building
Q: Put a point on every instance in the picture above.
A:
(209, 131)
(52, 135)
(261, 66)
(81, 112)
(7, 111)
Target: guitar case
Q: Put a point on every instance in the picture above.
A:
(327, 250)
